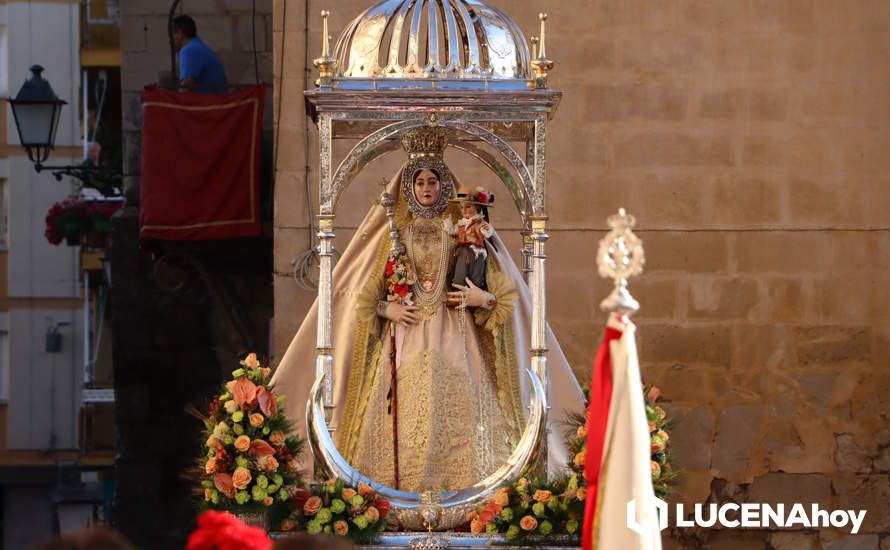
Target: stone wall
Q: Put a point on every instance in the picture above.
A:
(749, 138)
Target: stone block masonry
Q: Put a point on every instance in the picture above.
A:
(750, 140)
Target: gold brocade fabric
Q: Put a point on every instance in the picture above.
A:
(452, 430)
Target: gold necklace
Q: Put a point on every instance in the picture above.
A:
(430, 263)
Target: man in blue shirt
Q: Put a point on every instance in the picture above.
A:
(199, 68)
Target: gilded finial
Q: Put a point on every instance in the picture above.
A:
(540, 63)
(534, 41)
(543, 18)
(325, 63)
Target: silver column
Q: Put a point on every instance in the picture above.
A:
(324, 362)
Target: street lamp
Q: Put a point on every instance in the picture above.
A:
(36, 110)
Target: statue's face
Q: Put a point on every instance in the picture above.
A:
(468, 210)
(427, 187)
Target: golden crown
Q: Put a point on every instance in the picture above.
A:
(425, 142)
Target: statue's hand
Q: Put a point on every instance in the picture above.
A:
(402, 314)
(475, 296)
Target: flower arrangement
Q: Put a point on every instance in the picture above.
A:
(399, 279)
(338, 509)
(663, 472)
(250, 462)
(532, 507)
(74, 219)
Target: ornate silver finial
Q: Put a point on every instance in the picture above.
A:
(388, 202)
(620, 257)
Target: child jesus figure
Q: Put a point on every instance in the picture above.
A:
(470, 233)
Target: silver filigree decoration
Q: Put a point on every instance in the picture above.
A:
(620, 257)
(446, 183)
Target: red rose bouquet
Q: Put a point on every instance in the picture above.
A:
(399, 279)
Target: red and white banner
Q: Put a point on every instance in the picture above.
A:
(201, 164)
(617, 465)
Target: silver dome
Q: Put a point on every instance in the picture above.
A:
(461, 40)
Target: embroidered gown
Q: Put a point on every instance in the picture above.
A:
(452, 431)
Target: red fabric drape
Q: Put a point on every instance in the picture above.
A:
(597, 423)
(201, 164)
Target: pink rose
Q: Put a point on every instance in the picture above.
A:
(241, 478)
(288, 524)
(210, 467)
(341, 528)
(312, 506)
(267, 501)
(251, 361)
(476, 526)
(528, 523)
(372, 514)
(348, 493)
(502, 497)
(542, 496)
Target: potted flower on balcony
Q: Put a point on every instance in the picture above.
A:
(80, 221)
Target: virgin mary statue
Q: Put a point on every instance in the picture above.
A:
(454, 357)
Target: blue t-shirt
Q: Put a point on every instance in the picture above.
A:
(197, 61)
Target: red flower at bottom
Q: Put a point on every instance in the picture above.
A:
(223, 531)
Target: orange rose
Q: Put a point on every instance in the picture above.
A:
(341, 527)
(251, 361)
(292, 465)
(243, 390)
(472, 515)
(256, 420)
(663, 435)
(242, 443)
(210, 467)
(542, 496)
(277, 439)
(287, 524)
(528, 523)
(654, 394)
(581, 494)
(655, 467)
(476, 526)
(485, 517)
(259, 448)
(582, 431)
(372, 514)
(579, 460)
(365, 490)
(224, 484)
(268, 463)
(347, 494)
(312, 506)
(502, 497)
(267, 501)
(213, 442)
(241, 478)
(265, 372)
(208, 493)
